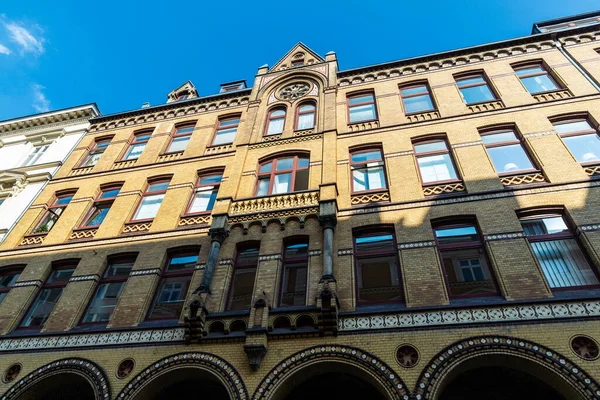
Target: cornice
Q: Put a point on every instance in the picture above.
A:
(40, 128)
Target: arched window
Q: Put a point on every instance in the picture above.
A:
(284, 174)
(244, 274)
(305, 116)
(275, 121)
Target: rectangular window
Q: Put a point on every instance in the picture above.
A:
(435, 162)
(151, 200)
(305, 116)
(464, 261)
(95, 153)
(295, 274)
(51, 216)
(581, 139)
(174, 284)
(377, 268)
(109, 289)
(226, 131)
(536, 79)
(361, 107)
(507, 152)
(138, 145)
(368, 170)
(242, 284)
(180, 139)
(34, 155)
(474, 89)
(101, 206)
(8, 278)
(416, 98)
(205, 193)
(557, 251)
(50, 293)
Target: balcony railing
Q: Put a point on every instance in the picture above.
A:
(277, 202)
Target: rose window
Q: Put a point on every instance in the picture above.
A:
(407, 356)
(585, 347)
(294, 91)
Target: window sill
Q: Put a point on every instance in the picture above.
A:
(87, 232)
(523, 178)
(370, 196)
(197, 219)
(552, 95)
(443, 188)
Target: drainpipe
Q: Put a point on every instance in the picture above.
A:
(576, 64)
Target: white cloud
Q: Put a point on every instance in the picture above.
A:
(4, 50)
(40, 102)
(23, 37)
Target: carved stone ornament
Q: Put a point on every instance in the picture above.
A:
(294, 91)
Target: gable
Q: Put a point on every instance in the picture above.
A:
(299, 52)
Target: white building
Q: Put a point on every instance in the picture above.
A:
(32, 149)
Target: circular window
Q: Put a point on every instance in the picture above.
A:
(11, 373)
(294, 91)
(407, 356)
(585, 347)
(125, 368)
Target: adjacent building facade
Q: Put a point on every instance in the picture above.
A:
(421, 229)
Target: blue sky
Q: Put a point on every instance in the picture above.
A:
(120, 54)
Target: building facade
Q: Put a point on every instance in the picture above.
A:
(31, 151)
(420, 229)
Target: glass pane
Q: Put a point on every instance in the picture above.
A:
(275, 126)
(284, 163)
(470, 81)
(266, 167)
(42, 307)
(203, 201)
(368, 178)
(278, 113)
(467, 273)
(179, 262)
(242, 288)
(375, 243)
(294, 285)
(301, 182)
(302, 162)
(585, 148)
(149, 207)
(360, 99)
(307, 107)
(378, 280)
(563, 263)
(529, 70)
(103, 144)
(418, 104)
(48, 221)
(456, 235)
(60, 275)
(540, 83)
(477, 94)
(282, 183)
(185, 130)
(158, 187)
(224, 136)
(92, 158)
(142, 138)
(296, 250)
(436, 168)
(178, 144)
(306, 121)
(209, 179)
(263, 187)
(110, 193)
(64, 200)
(104, 303)
(98, 215)
(248, 256)
(9, 279)
(362, 113)
(134, 151)
(229, 122)
(414, 90)
(366, 156)
(499, 137)
(170, 298)
(544, 226)
(575, 126)
(119, 268)
(509, 158)
(433, 146)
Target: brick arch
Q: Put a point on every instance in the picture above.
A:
(87, 369)
(443, 363)
(355, 357)
(290, 75)
(224, 371)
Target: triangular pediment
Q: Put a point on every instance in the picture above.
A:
(299, 52)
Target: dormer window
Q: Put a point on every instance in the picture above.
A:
(231, 86)
(298, 63)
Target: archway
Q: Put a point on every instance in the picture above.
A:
(182, 383)
(497, 367)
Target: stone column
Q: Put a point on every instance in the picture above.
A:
(218, 233)
(328, 220)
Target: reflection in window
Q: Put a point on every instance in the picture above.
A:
(367, 170)
(361, 107)
(101, 206)
(34, 155)
(51, 216)
(507, 152)
(137, 146)
(93, 156)
(581, 139)
(275, 121)
(536, 79)
(180, 139)
(226, 131)
(295, 270)
(435, 162)
(205, 193)
(8, 278)
(416, 98)
(305, 118)
(244, 273)
(151, 200)
(474, 89)
(282, 175)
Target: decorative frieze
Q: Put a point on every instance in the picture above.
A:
(226, 261)
(37, 283)
(291, 200)
(426, 116)
(34, 239)
(124, 164)
(549, 96)
(304, 132)
(297, 139)
(362, 126)
(82, 278)
(416, 245)
(314, 253)
(269, 257)
(169, 157)
(535, 177)
(137, 227)
(191, 220)
(504, 236)
(592, 170)
(369, 198)
(488, 106)
(87, 233)
(443, 189)
(81, 171)
(148, 271)
(590, 227)
(345, 252)
(218, 149)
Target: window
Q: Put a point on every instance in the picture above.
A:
(180, 139)
(8, 278)
(557, 251)
(34, 155)
(101, 206)
(50, 292)
(242, 282)
(282, 175)
(474, 89)
(109, 289)
(305, 116)
(140, 139)
(535, 78)
(298, 63)
(95, 153)
(205, 193)
(152, 199)
(55, 210)
(174, 284)
(295, 273)
(377, 267)
(464, 261)
(416, 98)
(435, 162)
(275, 121)
(226, 130)
(368, 170)
(361, 107)
(506, 151)
(581, 139)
